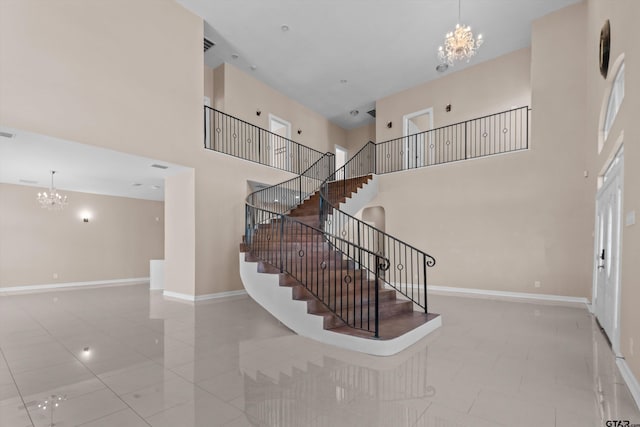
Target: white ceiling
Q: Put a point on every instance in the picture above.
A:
(379, 46)
(30, 157)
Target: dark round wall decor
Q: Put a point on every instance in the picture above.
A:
(605, 46)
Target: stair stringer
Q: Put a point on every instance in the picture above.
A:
(265, 289)
(361, 198)
(358, 200)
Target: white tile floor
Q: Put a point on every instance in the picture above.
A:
(158, 362)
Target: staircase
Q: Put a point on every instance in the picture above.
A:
(342, 292)
(335, 287)
(312, 263)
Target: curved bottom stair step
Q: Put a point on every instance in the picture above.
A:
(392, 327)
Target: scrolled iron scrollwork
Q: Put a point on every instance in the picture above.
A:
(383, 263)
(430, 261)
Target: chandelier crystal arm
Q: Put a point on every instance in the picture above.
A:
(460, 43)
(53, 200)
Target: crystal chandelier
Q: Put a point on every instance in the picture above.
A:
(459, 44)
(53, 200)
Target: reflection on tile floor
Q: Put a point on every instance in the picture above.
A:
(124, 356)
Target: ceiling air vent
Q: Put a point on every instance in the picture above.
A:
(208, 44)
(155, 165)
(6, 134)
(27, 181)
(372, 113)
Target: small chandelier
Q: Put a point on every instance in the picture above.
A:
(53, 200)
(459, 44)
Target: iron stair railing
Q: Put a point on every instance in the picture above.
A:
(342, 275)
(230, 135)
(408, 266)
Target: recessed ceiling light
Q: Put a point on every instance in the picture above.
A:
(136, 184)
(155, 187)
(284, 28)
(441, 68)
(253, 67)
(156, 165)
(354, 112)
(235, 56)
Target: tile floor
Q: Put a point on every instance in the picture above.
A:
(123, 356)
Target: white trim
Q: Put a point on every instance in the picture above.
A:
(508, 295)
(178, 295)
(276, 162)
(337, 148)
(286, 124)
(50, 286)
(407, 117)
(205, 297)
(427, 154)
(630, 380)
(219, 295)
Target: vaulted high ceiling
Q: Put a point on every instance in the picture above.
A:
(379, 47)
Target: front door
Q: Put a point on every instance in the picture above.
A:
(608, 245)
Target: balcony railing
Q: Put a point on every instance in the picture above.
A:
(230, 135)
(484, 136)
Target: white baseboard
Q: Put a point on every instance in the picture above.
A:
(508, 295)
(630, 379)
(50, 286)
(205, 297)
(217, 295)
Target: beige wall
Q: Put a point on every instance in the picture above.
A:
(208, 84)
(244, 95)
(218, 89)
(504, 222)
(118, 82)
(486, 88)
(180, 233)
(122, 235)
(356, 138)
(115, 82)
(221, 188)
(624, 36)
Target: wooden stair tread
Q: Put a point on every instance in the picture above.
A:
(396, 315)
